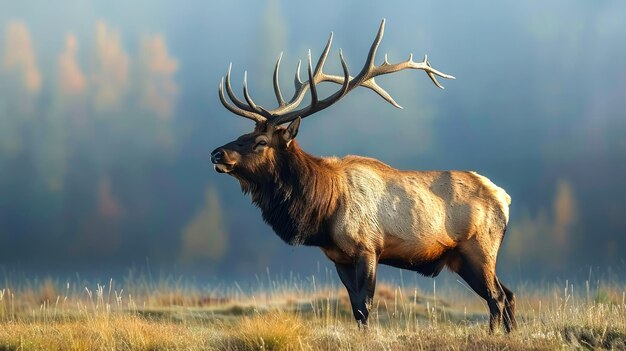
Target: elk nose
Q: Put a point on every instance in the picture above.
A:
(217, 155)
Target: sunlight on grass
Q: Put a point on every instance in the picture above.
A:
(271, 331)
(298, 315)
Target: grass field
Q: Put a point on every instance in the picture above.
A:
(300, 315)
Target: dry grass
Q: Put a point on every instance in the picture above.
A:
(49, 315)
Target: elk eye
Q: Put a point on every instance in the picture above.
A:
(260, 143)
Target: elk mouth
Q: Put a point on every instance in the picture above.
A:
(224, 167)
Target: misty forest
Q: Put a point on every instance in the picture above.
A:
(109, 112)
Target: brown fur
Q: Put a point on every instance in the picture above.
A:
(298, 196)
(362, 212)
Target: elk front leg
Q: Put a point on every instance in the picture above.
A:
(359, 279)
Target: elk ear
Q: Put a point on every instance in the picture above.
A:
(292, 130)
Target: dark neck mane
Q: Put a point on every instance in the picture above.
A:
(297, 198)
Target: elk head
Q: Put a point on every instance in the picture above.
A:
(256, 153)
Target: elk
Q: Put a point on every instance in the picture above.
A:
(359, 211)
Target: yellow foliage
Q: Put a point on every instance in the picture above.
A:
(111, 80)
(548, 236)
(20, 56)
(205, 236)
(158, 89)
(71, 78)
(565, 211)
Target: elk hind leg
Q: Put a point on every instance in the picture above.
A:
(481, 278)
(509, 309)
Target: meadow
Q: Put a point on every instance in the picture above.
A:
(300, 314)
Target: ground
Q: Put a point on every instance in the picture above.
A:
(167, 315)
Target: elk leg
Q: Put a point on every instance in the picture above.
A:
(509, 309)
(483, 282)
(360, 281)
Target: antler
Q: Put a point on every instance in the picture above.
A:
(286, 111)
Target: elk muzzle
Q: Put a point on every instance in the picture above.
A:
(221, 160)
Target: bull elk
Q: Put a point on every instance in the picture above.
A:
(358, 210)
